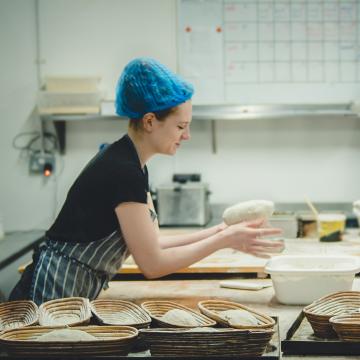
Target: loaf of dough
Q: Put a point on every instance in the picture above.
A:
(239, 317)
(66, 335)
(247, 211)
(179, 317)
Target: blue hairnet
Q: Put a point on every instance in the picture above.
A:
(146, 85)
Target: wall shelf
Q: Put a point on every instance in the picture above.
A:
(249, 112)
(60, 121)
(220, 112)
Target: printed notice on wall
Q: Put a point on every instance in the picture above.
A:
(259, 51)
(201, 43)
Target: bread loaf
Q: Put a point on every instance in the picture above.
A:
(179, 317)
(247, 211)
(239, 317)
(64, 335)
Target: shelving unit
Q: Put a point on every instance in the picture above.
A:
(215, 113)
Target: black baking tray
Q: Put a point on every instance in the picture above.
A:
(272, 352)
(300, 340)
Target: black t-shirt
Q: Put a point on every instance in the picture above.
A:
(113, 176)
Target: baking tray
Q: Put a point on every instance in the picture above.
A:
(272, 352)
(300, 340)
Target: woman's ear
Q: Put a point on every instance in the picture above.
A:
(148, 121)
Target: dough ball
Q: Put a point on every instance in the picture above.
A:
(247, 211)
(66, 335)
(239, 317)
(179, 317)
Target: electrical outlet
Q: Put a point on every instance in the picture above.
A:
(40, 162)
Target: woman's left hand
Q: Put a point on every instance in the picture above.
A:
(258, 223)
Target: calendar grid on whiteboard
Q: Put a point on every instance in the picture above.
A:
(292, 45)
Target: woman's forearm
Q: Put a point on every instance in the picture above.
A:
(155, 261)
(174, 258)
(172, 241)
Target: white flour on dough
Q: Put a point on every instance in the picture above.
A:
(247, 211)
(239, 317)
(179, 317)
(66, 335)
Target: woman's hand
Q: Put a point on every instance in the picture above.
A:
(258, 223)
(248, 238)
(261, 222)
(222, 226)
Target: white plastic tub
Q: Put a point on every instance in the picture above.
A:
(299, 280)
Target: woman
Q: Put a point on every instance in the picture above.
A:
(108, 213)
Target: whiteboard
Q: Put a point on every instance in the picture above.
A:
(270, 52)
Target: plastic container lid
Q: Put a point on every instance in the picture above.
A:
(332, 217)
(324, 264)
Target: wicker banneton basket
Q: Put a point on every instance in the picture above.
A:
(73, 311)
(320, 311)
(156, 310)
(212, 309)
(111, 340)
(18, 314)
(347, 326)
(119, 312)
(194, 342)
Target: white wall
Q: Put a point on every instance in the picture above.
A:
(99, 37)
(25, 202)
(276, 159)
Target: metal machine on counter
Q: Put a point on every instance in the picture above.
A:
(184, 201)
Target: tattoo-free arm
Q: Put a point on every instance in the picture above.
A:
(142, 240)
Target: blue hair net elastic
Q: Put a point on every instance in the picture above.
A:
(146, 85)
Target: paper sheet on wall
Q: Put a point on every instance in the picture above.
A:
(258, 52)
(201, 57)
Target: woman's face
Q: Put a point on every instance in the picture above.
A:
(173, 130)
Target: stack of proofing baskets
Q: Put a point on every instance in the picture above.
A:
(22, 324)
(19, 336)
(172, 340)
(336, 315)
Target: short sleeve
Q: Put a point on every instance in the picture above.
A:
(128, 184)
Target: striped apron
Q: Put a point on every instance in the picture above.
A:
(77, 269)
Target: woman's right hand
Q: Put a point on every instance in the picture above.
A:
(248, 238)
